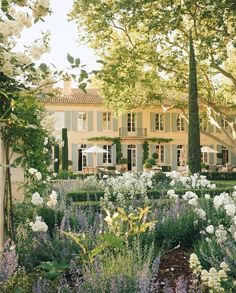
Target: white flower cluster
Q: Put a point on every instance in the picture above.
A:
(36, 199)
(11, 28)
(53, 199)
(39, 225)
(193, 181)
(210, 279)
(35, 173)
(127, 186)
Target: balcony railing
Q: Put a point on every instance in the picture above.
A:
(138, 132)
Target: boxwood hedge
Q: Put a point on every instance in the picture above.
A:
(152, 194)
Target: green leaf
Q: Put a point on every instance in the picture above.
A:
(77, 61)
(101, 62)
(82, 86)
(70, 58)
(113, 240)
(43, 67)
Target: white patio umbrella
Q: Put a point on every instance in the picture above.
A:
(94, 150)
(206, 149)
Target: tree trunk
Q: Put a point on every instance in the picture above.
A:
(194, 148)
(2, 188)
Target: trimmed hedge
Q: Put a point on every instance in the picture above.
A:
(82, 196)
(220, 175)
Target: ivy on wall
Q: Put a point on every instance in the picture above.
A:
(114, 140)
(145, 147)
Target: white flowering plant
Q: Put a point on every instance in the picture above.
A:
(125, 189)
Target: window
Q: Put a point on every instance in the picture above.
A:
(180, 123)
(59, 120)
(181, 155)
(131, 122)
(205, 157)
(82, 120)
(131, 157)
(225, 155)
(106, 120)
(160, 150)
(107, 155)
(224, 123)
(159, 122)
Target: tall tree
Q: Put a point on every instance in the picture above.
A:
(194, 148)
(144, 46)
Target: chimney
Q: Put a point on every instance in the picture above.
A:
(67, 86)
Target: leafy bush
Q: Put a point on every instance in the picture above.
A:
(64, 174)
(123, 161)
(177, 227)
(152, 194)
(155, 156)
(220, 175)
(148, 165)
(151, 161)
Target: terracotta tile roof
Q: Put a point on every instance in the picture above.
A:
(77, 97)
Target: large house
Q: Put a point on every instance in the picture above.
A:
(89, 123)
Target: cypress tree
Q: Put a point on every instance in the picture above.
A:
(64, 149)
(56, 158)
(194, 148)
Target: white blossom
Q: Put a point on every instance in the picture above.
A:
(36, 199)
(39, 225)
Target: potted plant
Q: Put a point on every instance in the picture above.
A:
(122, 166)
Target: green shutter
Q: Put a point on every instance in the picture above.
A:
(115, 124)
(211, 156)
(153, 121)
(167, 122)
(99, 121)
(113, 154)
(174, 122)
(219, 150)
(100, 157)
(124, 129)
(124, 150)
(233, 158)
(90, 121)
(174, 157)
(90, 157)
(139, 158)
(139, 124)
(74, 120)
(68, 118)
(75, 157)
(167, 155)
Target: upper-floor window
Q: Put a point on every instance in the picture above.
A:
(180, 123)
(82, 120)
(224, 123)
(107, 155)
(159, 122)
(160, 150)
(131, 122)
(106, 120)
(59, 120)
